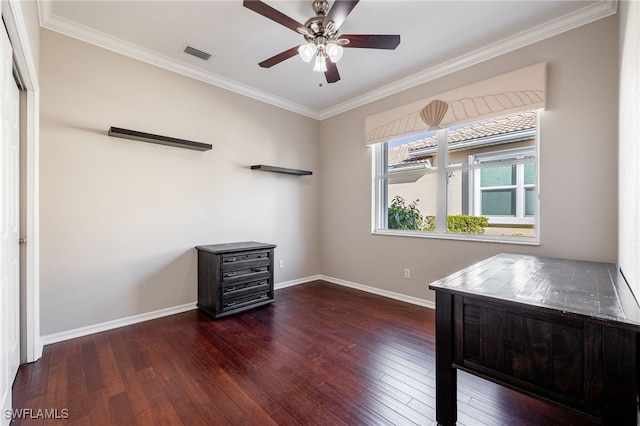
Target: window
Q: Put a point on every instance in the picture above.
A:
(505, 193)
(476, 181)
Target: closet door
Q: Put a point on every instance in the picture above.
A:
(9, 227)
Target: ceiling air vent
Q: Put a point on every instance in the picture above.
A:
(197, 53)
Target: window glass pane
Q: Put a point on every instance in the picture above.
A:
(411, 184)
(499, 202)
(407, 214)
(460, 218)
(529, 173)
(498, 176)
(530, 202)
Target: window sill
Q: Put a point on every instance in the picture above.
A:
(528, 241)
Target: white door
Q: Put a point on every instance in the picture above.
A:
(9, 228)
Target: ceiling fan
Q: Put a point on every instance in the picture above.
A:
(321, 35)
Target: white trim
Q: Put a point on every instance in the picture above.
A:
(110, 325)
(379, 216)
(24, 57)
(442, 181)
(565, 23)
(72, 29)
(503, 158)
(584, 16)
(380, 292)
(480, 238)
(362, 287)
(135, 319)
(279, 286)
(20, 42)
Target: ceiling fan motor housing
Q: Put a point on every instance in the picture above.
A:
(315, 26)
(320, 7)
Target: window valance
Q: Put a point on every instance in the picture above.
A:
(520, 90)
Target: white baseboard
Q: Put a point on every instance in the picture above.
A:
(299, 281)
(380, 292)
(110, 325)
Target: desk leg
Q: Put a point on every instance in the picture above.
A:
(446, 375)
(619, 388)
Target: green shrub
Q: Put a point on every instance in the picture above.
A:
(460, 224)
(429, 223)
(403, 216)
(465, 224)
(407, 216)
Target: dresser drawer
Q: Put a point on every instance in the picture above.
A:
(232, 258)
(246, 266)
(243, 301)
(231, 291)
(245, 275)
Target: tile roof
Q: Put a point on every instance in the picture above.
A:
(402, 154)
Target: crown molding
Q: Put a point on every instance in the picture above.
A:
(549, 29)
(586, 15)
(72, 29)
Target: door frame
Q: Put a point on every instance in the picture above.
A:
(14, 19)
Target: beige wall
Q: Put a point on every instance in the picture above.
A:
(578, 168)
(120, 218)
(629, 175)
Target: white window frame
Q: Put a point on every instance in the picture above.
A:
(510, 157)
(380, 200)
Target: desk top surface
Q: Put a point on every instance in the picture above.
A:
(593, 289)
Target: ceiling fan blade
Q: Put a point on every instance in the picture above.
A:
(339, 12)
(273, 14)
(331, 73)
(274, 60)
(372, 41)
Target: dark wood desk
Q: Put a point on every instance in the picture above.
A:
(561, 330)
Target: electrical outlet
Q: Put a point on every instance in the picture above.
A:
(281, 264)
(407, 273)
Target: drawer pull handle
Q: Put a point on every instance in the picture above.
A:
(229, 289)
(229, 259)
(262, 269)
(230, 274)
(261, 255)
(230, 304)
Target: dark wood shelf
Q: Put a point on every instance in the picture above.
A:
(157, 139)
(274, 169)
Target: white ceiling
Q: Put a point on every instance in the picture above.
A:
(437, 37)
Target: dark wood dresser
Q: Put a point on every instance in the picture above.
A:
(234, 277)
(561, 330)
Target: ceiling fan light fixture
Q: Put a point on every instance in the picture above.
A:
(306, 51)
(334, 51)
(321, 34)
(320, 64)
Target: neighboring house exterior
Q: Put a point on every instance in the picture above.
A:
(506, 193)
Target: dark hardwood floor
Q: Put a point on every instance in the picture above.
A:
(321, 355)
